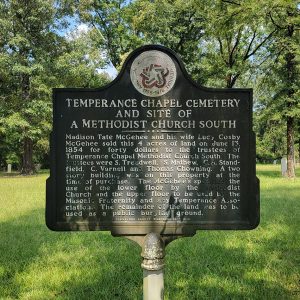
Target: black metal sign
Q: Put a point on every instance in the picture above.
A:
(152, 152)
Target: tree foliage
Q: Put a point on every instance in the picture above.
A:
(284, 20)
(223, 43)
(27, 25)
(33, 59)
(110, 20)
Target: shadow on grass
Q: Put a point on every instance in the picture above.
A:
(12, 174)
(272, 171)
(258, 264)
(217, 272)
(18, 174)
(269, 173)
(36, 263)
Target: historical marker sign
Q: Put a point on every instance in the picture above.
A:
(152, 152)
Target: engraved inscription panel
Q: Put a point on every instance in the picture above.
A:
(130, 162)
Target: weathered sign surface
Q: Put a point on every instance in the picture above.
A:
(152, 152)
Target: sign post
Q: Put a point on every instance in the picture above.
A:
(152, 155)
(153, 253)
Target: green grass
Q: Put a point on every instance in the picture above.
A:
(36, 263)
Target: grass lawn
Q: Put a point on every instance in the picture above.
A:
(36, 263)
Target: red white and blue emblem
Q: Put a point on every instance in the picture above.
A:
(153, 73)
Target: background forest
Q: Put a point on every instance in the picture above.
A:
(65, 43)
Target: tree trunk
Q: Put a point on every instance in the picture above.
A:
(27, 159)
(228, 79)
(231, 80)
(290, 148)
(27, 162)
(290, 80)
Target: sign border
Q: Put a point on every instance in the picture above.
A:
(141, 227)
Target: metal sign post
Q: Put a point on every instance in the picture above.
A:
(153, 253)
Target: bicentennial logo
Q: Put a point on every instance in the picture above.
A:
(153, 73)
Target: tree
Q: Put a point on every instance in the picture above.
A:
(112, 28)
(27, 41)
(262, 35)
(178, 25)
(237, 38)
(34, 59)
(80, 63)
(123, 25)
(285, 19)
(269, 125)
